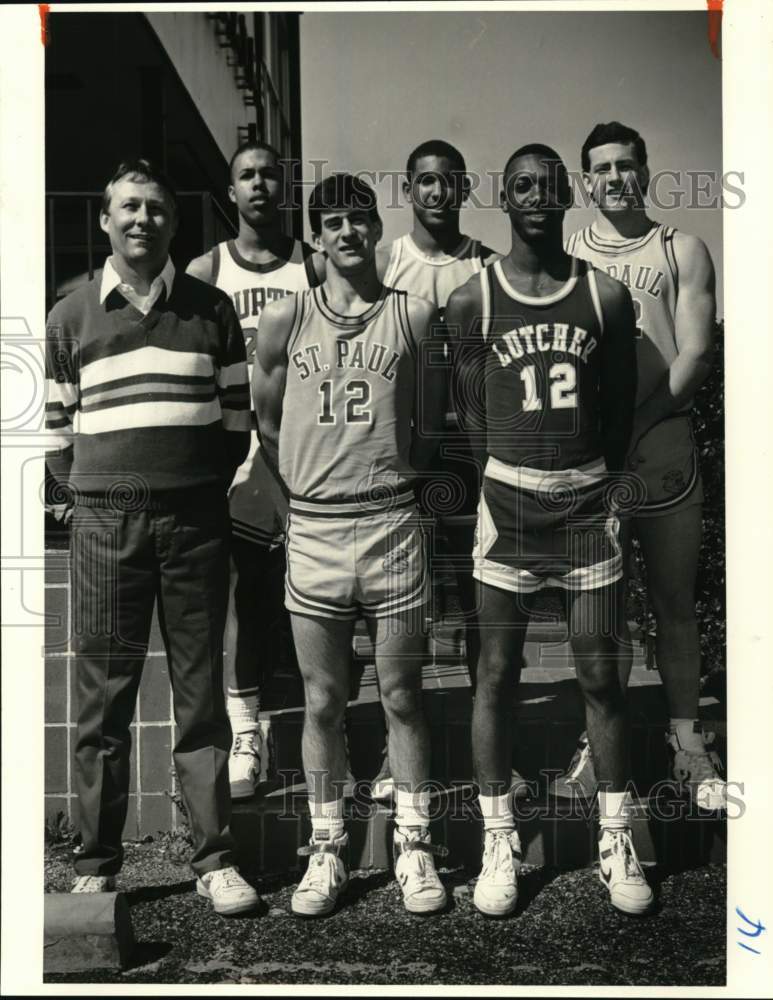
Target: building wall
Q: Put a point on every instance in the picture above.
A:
(189, 40)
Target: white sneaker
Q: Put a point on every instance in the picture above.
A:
(94, 883)
(244, 764)
(227, 891)
(423, 892)
(620, 872)
(699, 774)
(496, 891)
(325, 878)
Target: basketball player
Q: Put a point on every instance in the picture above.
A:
(545, 387)
(431, 261)
(350, 409)
(671, 279)
(261, 265)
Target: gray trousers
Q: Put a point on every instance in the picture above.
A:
(123, 563)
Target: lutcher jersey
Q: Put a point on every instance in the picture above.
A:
(542, 372)
(542, 518)
(647, 267)
(258, 507)
(666, 457)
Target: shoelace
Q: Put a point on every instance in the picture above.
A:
(500, 856)
(416, 859)
(228, 878)
(316, 873)
(622, 845)
(245, 743)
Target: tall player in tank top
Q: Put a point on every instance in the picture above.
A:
(350, 410)
(261, 265)
(671, 278)
(431, 261)
(545, 385)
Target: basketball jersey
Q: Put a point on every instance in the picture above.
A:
(647, 266)
(431, 277)
(542, 370)
(258, 506)
(349, 400)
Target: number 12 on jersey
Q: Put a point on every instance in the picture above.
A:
(358, 397)
(563, 381)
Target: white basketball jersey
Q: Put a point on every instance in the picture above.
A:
(348, 401)
(258, 506)
(431, 277)
(647, 267)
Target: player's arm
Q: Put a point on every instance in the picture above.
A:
(202, 267)
(269, 373)
(233, 389)
(617, 381)
(694, 330)
(429, 409)
(462, 322)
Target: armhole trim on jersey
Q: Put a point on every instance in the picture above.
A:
(475, 253)
(486, 254)
(485, 301)
(295, 329)
(308, 266)
(405, 323)
(668, 249)
(395, 253)
(571, 243)
(215, 264)
(593, 288)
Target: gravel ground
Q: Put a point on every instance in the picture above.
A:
(564, 932)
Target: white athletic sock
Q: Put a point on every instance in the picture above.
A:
(685, 733)
(614, 810)
(412, 809)
(243, 712)
(327, 819)
(497, 813)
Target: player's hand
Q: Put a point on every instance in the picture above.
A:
(634, 459)
(62, 512)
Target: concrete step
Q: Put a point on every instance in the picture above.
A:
(271, 827)
(548, 716)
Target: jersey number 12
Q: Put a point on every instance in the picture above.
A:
(358, 393)
(563, 381)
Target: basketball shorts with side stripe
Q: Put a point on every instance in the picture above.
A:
(542, 529)
(666, 460)
(345, 564)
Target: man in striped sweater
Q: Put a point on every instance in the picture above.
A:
(148, 408)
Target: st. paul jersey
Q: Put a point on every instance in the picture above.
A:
(348, 401)
(542, 371)
(431, 277)
(258, 507)
(646, 265)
